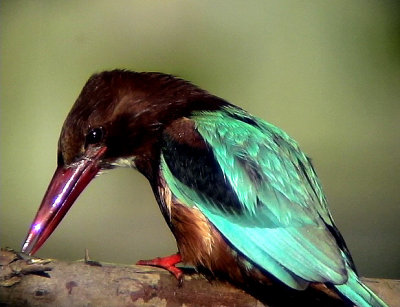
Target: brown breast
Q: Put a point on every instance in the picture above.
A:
(202, 245)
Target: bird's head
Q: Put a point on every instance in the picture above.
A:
(117, 120)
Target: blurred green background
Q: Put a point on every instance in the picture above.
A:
(327, 72)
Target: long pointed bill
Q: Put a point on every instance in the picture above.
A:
(65, 186)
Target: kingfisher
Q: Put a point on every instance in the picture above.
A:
(240, 197)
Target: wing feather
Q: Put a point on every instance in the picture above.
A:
(282, 226)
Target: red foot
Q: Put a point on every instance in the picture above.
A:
(167, 263)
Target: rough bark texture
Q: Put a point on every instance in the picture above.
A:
(33, 282)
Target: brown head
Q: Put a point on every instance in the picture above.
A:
(117, 120)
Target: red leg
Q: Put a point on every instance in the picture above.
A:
(167, 263)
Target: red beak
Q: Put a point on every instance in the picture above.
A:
(65, 186)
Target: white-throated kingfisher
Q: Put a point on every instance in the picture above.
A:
(240, 197)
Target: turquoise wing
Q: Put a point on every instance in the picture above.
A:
(260, 191)
(281, 223)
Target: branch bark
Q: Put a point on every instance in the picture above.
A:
(30, 282)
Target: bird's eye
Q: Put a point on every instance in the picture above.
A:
(94, 136)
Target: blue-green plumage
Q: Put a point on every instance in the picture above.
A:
(273, 210)
(242, 200)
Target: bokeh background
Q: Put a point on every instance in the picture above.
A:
(327, 72)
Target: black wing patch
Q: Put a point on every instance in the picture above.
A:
(196, 167)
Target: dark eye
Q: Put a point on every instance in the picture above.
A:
(94, 136)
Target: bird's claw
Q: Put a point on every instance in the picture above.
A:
(168, 263)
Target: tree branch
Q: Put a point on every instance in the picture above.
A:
(30, 282)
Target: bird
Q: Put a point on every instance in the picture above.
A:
(241, 198)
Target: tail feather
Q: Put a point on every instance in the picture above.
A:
(359, 293)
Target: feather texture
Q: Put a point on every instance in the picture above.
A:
(241, 198)
(277, 216)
